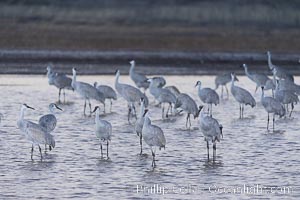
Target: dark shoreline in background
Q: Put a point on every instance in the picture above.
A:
(148, 62)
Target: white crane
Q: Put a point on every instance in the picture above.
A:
(87, 91)
(186, 103)
(107, 91)
(139, 124)
(208, 96)
(61, 81)
(242, 96)
(211, 130)
(222, 80)
(103, 130)
(130, 94)
(272, 105)
(153, 136)
(33, 132)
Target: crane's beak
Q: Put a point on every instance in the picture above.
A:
(30, 107)
(58, 107)
(95, 109)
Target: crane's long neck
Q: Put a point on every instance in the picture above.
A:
(74, 80)
(270, 61)
(97, 118)
(262, 95)
(246, 71)
(232, 82)
(21, 117)
(131, 68)
(147, 121)
(117, 84)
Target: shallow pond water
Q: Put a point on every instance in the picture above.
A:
(251, 162)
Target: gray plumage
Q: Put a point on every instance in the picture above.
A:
(87, 91)
(140, 80)
(222, 80)
(187, 104)
(173, 89)
(211, 130)
(107, 91)
(242, 96)
(130, 94)
(272, 105)
(49, 121)
(162, 96)
(33, 132)
(153, 136)
(208, 96)
(289, 85)
(286, 97)
(138, 127)
(61, 81)
(258, 78)
(103, 130)
(279, 72)
(161, 81)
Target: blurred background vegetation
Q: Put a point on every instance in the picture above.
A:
(176, 25)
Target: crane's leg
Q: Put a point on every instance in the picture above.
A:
(214, 150)
(141, 143)
(59, 91)
(110, 105)
(129, 112)
(207, 146)
(256, 89)
(268, 121)
(101, 149)
(153, 158)
(107, 150)
(31, 151)
(64, 95)
(40, 152)
(90, 105)
(45, 148)
(292, 109)
(211, 110)
(104, 107)
(273, 122)
(134, 110)
(50, 148)
(222, 91)
(162, 111)
(243, 110)
(227, 91)
(170, 106)
(240, 111)
(186, 122)
(190, 124)
(84, 107)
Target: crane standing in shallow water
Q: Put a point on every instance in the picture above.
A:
(33, 132)
(87, 91)
(242, 96)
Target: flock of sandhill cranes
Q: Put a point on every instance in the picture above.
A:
(283, 88)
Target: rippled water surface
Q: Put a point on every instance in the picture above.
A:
(248, 157)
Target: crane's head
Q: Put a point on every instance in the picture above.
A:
(25, 106)
(96, 108)
(53, 106)
(74, 70)
(244, 66)
(145, 113)
(262, 88)
(268, 53)
(117, 72)
(132, 62)
(198, 84)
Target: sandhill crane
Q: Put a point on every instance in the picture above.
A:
(87, 91)
(286, 97)
(242, 96)
(186, 103)
(49, 121)
(61, 81)
(140, 80)
(289, 85)
(33, 132)
(272, 105)
(280, 72)
(208, 96)
(153, 136)
(162, 96)
(103, 130)
(107, 91)
(211, 130)
(257, 78)
(173, 89)
(139, 124)
(222, 80)
(130, 94)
